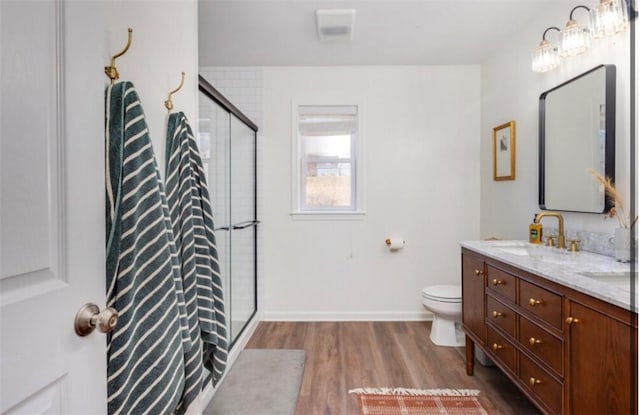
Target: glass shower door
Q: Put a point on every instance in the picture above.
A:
(227, 142)
(213, 140)
(243, 230)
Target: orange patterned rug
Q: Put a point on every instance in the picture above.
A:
(401, 401)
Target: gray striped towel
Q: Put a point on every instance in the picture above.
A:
(192, 219)
(146, 350)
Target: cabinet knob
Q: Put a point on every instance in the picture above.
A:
(533, 341)
(533, 302)
(497, 347)
(572, 320)
(478, 272)
(497, 282)
(534, 381)
(497, 314)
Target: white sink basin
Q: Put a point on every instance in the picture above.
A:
(517, 250)
(619, 279)
(509, 244)
(533, 250)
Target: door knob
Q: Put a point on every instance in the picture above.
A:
(89, 317)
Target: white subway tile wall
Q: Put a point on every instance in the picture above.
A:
(242, 85)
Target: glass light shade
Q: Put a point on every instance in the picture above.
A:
(575, 39)
(545, 57)
(609, 18)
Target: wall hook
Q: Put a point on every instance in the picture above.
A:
(168, 103)
(111, 70)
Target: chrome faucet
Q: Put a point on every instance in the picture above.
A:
(561, 242)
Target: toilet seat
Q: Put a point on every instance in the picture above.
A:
(443, 293)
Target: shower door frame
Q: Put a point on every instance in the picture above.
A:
(216, 96)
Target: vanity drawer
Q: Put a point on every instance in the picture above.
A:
(501, 315)
(542, 303)
(502, 283)
(541, 343)
(541, 384)
(501, 348)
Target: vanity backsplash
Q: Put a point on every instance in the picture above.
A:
(596, 242)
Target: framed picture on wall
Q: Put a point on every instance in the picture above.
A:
(504, 151)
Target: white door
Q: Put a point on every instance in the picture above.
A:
(51, 205)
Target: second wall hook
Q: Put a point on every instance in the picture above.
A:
(168, 103)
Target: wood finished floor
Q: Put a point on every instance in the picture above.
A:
(348, 355)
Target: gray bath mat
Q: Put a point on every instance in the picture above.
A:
(260, 382)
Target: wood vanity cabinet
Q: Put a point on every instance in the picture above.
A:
(570, 353)
(473, 283)
(602, 344)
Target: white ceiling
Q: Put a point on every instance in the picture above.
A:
(387, 32)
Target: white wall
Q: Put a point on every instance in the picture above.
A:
(420, 147)
(165, 43)
(510, 91)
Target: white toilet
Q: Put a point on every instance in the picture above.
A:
(445, 302)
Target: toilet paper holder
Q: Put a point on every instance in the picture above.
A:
(394, 243)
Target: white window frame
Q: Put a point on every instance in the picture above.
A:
(299, 211)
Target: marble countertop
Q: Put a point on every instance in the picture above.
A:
(596, 275)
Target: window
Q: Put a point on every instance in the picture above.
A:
(327, 159)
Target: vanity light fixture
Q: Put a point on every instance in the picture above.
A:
(609, 18)
(545, 57)
(575, 37)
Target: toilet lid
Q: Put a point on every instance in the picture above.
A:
(447, 293)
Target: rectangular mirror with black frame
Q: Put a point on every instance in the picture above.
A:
(576, 133)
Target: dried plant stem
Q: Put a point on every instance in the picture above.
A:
(610, 190)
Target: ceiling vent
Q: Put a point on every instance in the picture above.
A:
(335, 24)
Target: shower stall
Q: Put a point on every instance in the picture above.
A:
(227, 140)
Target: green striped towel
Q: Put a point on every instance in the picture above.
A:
(192, 219)
(146, 350)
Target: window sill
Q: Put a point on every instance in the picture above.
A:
(359, 215)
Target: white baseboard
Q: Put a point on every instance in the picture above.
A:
(207, 393)
(348, 316)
